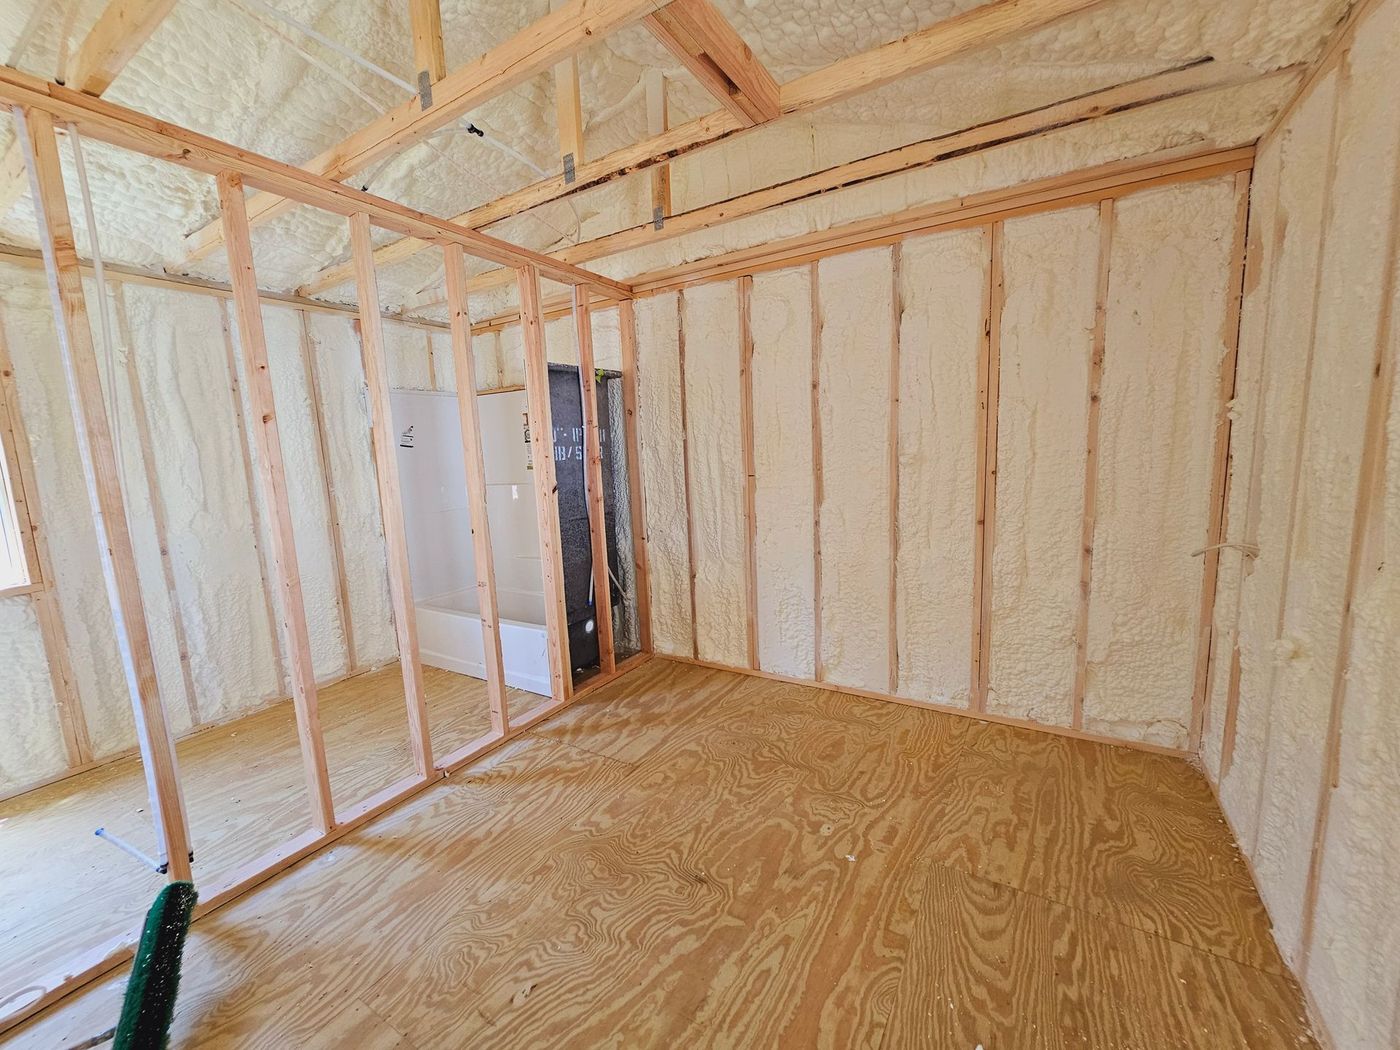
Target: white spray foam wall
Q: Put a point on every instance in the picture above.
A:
(784, 516)
(659, 430)
(856, 307)
(1168, 282)
(943, 292)
(1287, 292)
(1050, 276)
(346, 418)
(32, 746)
(406, 352)
(1356, 246)
(710, 321)
(306, 491)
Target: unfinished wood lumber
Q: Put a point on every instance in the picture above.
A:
(593, 483)
(641, 577)
(273, 484)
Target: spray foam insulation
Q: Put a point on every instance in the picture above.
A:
(32, 746)
(943, 299)
(855, 297)
(1356, 242)
(1169, 275)
(710, 321)
(663, 453)
(1050, 277)
(1285, 338)
(784, 517)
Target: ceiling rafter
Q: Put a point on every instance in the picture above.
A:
(536, 48)
(707, 45)
(983, 26)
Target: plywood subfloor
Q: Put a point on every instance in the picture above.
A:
(690, 857)
(63, 890)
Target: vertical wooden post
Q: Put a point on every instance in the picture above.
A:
(685, 475)
(988, 386)
(376, 368)
(260, 542)
(568, 111)
(1216, 519)
(814, 276)
(158, 519)
(1091, 465)
(464, 366)
(323, 462)
(658, 122)
(593, 482)
(273, 482)
(750, 470)
(897, 313)
(35, 130)
(432, 364)
(546, 489)
(641, 578)
(425, 23)
(72, 722)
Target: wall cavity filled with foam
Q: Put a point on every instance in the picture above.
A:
(1302, 731)
(864, 553)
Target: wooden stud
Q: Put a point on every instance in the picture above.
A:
(892, 443)
(425, 22)
(988, 385)
(546, 488)
(658, 123)
(641, 579)
(72, 721)
(386, 465)
(568, 109)
(705, 43)
(432, 364)
(102, 477)
(324, 468)
(273, 483)
(469, 422)
(814, 281)
(593, 483)
(1091, 464)
(750, 471)
(685, 475)
(260, 542)
(1367, 554)
(537, 47)
(1216, 518)
(159, 524)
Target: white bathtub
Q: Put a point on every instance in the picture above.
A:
(449, 636)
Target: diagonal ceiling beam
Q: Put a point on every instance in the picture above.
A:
(425, 22)
(707, 45)
(536, 48)
(981, 27)
(119, 32)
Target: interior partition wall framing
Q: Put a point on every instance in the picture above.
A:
(250, 364)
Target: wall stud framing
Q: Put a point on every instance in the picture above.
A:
(376, 369)
(896, 317)
(260, 542)
(432, 363)
(658, 122)
(1091, 464)
(159, 523)
(324, 467)
(273, 483)
(1220, 465)
(546, 488)
(988, 386)
(814, 280)
(593, 483)
(641, 582)
(469, 420)
(102, 478)
(685, 475)
(750, 471)
(72, 721)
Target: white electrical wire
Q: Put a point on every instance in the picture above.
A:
(64, 36)
(100, 273)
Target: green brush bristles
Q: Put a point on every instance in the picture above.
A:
(155, 974)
